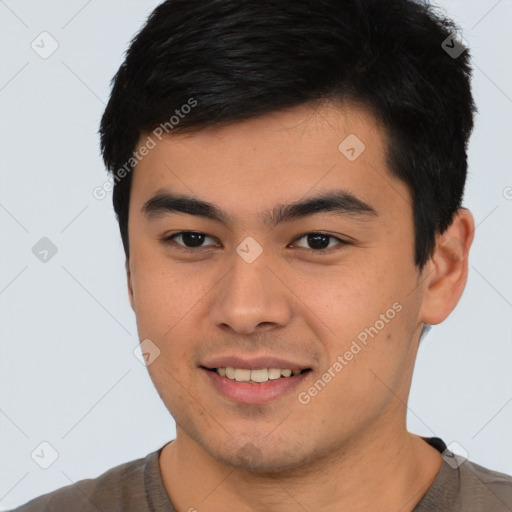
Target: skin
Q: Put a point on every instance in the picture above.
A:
(348, 448)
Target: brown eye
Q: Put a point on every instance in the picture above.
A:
(320, 241)
(188, 239)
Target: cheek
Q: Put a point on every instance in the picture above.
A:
(359, 310)
(162, 296)
(172, 309)
(377, 358)
(347, 298)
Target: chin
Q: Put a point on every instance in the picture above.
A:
(263, 458)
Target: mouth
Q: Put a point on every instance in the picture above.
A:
(258, 375)
(255, 386)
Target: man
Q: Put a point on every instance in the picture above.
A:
(288, 179)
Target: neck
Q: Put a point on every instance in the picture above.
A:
(386, 470)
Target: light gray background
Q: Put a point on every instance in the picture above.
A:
(68, 374)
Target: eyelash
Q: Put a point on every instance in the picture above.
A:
(170, 240)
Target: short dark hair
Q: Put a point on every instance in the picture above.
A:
(238, 59)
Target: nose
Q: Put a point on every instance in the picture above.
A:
(251, 298)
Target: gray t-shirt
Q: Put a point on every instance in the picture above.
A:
(137, 486)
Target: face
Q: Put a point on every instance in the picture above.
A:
(301, 260)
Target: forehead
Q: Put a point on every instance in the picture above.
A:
(250, 166)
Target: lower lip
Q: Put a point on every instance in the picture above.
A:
(254, 394)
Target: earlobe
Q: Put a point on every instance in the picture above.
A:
(447, 270)
(129, 283)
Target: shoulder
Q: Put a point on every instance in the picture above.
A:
(482, 487)
(120, 488)
(463, 485)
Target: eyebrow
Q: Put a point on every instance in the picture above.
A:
(339, 202)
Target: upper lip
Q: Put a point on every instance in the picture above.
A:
(253, 363)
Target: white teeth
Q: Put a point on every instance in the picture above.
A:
(274, 373)
(255, 376)
(242, 375)
(259, 375)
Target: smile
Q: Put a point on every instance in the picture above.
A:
(256, 376)
(257, 386)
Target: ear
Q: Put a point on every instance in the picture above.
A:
(129, 282)
(447, 270)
